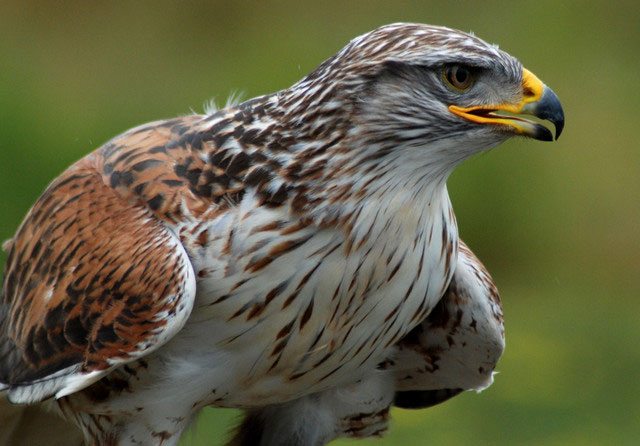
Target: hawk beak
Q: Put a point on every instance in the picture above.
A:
(537, 100)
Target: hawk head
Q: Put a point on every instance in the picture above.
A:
(413, 86)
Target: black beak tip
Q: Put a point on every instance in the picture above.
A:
(559, 124)
(549, 108)
(543, 134)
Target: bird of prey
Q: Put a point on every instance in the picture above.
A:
(295, 255)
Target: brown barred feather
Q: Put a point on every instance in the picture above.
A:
(106, 312)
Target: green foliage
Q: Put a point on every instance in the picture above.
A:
(556, 224)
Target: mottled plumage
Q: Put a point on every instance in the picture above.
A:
(295, 255)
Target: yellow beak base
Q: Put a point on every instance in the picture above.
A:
(537, 100)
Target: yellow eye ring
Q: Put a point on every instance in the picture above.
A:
(458, 76)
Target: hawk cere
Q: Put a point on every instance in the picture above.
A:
(295, 255)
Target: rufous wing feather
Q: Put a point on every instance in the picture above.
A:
(92, 281)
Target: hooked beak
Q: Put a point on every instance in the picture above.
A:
(537, 100)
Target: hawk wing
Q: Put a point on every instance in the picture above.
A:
(458, 346)
(93, 281)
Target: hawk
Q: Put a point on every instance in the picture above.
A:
(295, 255)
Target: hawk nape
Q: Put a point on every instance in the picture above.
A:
(295, 255)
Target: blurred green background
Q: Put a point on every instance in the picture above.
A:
(556, 224)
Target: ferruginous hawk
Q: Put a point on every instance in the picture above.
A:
(295, 255)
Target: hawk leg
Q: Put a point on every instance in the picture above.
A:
(359, 410)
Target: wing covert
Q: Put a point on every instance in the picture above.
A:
(92, 281)
(458, 346)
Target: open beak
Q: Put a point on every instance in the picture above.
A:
(537, 100)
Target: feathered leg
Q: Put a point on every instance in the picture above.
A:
(358, 410)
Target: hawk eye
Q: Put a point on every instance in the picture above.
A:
(458, 76)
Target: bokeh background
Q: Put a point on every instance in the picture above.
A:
(556, 224)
